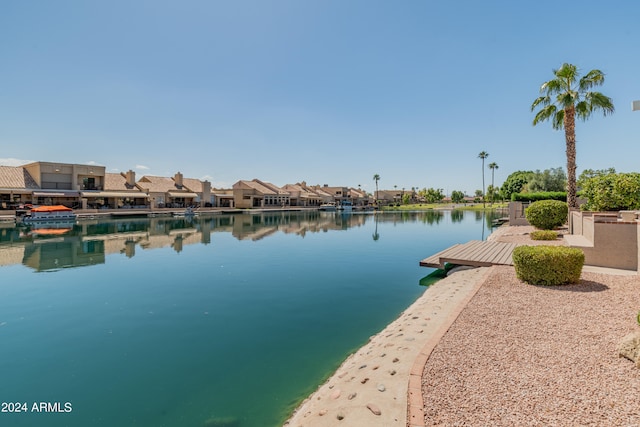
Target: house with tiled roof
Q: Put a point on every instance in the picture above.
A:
(302, 195)
(47, 183)
(338, 194)
(259, 194)
(119, 190)
(222, 198)
(16, 186)
(201, 188)
(359, 197)
(169, 192)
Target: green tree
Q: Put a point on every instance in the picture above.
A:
(376, 178)
(515, 183)
(492, 193)
(457, 196)
(483, 155)
(553, 179)
(432, 195)
(572, 98)
(406, 198)
(591, 173)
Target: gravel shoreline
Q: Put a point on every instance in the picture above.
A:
(523, 355)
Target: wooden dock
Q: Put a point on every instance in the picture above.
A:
(475, 253)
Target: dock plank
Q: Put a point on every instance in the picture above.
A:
(475, 253)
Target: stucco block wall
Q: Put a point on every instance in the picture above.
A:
(614, 243)
(516, 214)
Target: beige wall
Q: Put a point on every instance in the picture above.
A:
(516, 214)
(614, 243)
(63, 175)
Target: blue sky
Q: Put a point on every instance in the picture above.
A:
(325, 91)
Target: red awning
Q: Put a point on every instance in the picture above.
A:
(56, 208)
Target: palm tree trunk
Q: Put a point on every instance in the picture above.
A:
(570, 136)
(493, 189)
(484, 201)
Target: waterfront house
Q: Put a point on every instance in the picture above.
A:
(259, 194)
(201, 188)
(118, 191)
(359, 197)
(222, 198)
(168, 192)
(49, 183)
(303, 195)
(16, 187)
(338, 194)
(386, 197)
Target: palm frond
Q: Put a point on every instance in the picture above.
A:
(567, 72)
(583, 110)
(591, 79)
(543, 100)
(598, 101)
(552, 86)
(567, 98)
(558, 120)
(545, 114)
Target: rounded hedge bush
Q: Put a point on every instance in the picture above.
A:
(543, 235)
(548, 265)
(547, 214)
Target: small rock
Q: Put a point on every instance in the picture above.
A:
(373, 408)
(381, 387)
(323, 412)
(335, 394)
(375, 367)
(363, 366)
(629, 347)
(395, 359)
(364, 380)
(352, 396)
(340, 417)
(392, 372)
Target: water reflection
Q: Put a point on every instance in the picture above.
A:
(87, 242)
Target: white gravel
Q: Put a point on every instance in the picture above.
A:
(523, 355)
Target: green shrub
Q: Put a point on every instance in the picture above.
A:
(548, 265)
(612, 192)
(544, 235)
(547, 214)
(534, 197)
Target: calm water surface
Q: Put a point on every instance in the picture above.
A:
(223, 320)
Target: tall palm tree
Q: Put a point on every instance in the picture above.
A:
(493, 166)
(376, 178)
(483, 155)
(572, 97)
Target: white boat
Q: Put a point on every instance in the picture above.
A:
(49, 214)
(345, 206)
(329, 207)
(188, 212)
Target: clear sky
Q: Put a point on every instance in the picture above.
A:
(325, 91)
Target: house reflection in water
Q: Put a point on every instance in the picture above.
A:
(62, 252)
(89, 241)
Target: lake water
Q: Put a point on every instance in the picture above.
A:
(227, 320)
